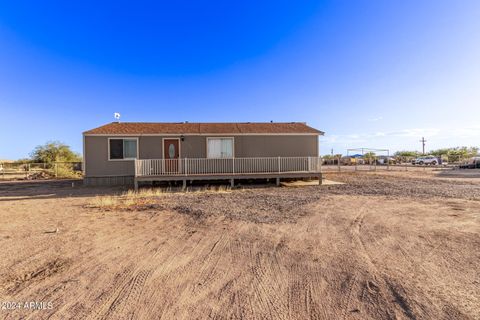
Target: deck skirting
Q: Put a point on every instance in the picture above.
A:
(109, 181)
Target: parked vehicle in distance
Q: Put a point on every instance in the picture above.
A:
(430, 160)
(472, 163)
(386, 160)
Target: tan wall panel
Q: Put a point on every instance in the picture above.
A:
(194, 147)
(96, 159)
(276, 146)
(151, 147)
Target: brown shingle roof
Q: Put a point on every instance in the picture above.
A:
(203, 128)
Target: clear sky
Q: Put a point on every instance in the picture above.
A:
(370, 73)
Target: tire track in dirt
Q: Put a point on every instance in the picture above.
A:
(355, 229)
(351, 284)
(301, 286)
(183, 255)
(231, 294)
(125, 285)
(208, 269)
(368, 281)
(401, 300)
(105, 298)
(267, 291)
(128, 296)
(420, 304)
(372, 277)
(48, 269)
(125, 290)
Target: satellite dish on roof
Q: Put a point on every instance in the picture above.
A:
(116, 115)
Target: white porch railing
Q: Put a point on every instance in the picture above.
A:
(226, 166)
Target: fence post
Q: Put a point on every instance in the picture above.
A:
(56, 170)
(233, 167)
(278, 164)
(185, 166)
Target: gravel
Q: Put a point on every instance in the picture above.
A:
(286, 205)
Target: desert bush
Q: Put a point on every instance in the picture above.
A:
(65, 170)
(54, 151)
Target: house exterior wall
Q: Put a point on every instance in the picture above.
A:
(96, 156)
(194, 146)
(276, 146)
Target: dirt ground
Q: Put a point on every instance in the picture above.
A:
(382, 246)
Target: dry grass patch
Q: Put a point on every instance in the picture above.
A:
(145, 198)
(210, 189)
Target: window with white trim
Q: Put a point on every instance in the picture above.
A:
(122, 149)
(220, 148)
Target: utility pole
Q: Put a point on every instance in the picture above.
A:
(423, 145)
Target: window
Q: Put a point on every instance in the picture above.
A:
(219, 147)
(122, 149)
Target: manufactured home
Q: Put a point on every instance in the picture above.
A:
(131, 153)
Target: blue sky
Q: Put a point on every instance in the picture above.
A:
(370, 73)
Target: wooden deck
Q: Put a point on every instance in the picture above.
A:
(185, 170)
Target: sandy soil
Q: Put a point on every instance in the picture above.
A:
(382, 246)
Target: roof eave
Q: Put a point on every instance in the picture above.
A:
(208, 134)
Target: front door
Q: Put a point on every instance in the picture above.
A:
(171, 154)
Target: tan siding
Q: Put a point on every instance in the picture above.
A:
(96, 159)
(194, 147)
(150, 147)
(276, 146)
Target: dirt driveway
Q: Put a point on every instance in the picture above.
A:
(382, 246)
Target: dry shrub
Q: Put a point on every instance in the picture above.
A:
(145, 198)
(104, 202)
(65, 170)
(211, 189)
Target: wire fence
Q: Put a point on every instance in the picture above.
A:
(348, 164)
(376, 167)
(33, 171)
